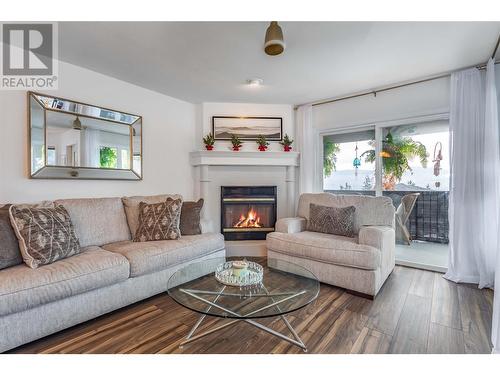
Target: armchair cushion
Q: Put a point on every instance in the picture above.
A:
(325, 248)
(291, 225)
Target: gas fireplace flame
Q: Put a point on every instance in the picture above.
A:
(252, 220)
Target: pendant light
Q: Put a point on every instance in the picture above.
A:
(77, 124)
(274, 44)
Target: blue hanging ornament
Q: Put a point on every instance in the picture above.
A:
(357, 161)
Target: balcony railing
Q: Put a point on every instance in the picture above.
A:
(429, 219)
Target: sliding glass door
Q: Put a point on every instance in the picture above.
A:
(408, 163)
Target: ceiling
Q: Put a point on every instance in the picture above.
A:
(210, 61)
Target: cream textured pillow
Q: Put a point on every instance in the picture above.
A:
(159, 221)
(45, 234)
(131, 205)
(332, 220)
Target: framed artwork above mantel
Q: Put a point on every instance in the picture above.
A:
(247, 128)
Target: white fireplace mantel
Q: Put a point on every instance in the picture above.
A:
(270, 158)
(206, 159)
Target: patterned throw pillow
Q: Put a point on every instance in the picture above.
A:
(332, 220)
(45, 234)
(159, 221)
(190, 217)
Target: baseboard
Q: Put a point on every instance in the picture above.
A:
(421, 266)
(251, 248)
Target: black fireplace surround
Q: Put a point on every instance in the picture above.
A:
(247, 212)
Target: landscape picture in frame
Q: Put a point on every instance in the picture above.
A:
(247, 128)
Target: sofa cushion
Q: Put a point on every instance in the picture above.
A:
(327, 248)
(22, 288)
(131, 205)
(97, 221)
(369, 210)
(10, 255)
(148, 257)
(190, 217)
(159, 221)
(45, 234)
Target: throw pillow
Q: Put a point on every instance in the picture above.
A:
(10, 255)
(45, 234)
(131, 205)
(159, 221)
(190, 217)
(332, 220)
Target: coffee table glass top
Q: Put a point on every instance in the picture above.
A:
(285, 287)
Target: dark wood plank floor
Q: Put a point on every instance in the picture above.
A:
(415, 312)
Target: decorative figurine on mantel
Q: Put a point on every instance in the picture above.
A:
(286, 143)
(236, 142)
(262, 142)
(209, 141)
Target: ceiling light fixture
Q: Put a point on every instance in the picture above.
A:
(254, 82)
(274, 43)
(77, 124)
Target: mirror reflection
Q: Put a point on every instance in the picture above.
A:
(74, 135)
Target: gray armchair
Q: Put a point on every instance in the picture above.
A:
(360, 264)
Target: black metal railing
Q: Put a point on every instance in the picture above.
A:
(429, 219)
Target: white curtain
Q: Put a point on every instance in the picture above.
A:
(492, 193)
(474, 213)
(306, 142)
(465, 263)
(90, 148)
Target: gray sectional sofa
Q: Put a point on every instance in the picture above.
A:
(110, 272)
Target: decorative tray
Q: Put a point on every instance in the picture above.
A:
(239, 273)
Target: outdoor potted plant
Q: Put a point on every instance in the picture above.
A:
(286, 143)
(262, 142)
(236, 142)
(209, 141)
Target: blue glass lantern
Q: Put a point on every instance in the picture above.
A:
(357, 161)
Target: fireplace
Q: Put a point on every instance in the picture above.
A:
(247, 212)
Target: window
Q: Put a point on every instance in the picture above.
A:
(51, 155)
(345, 168)
(108, 157)
(125, 159)
(415, 157)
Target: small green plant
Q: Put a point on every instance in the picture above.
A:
(286, 141)
(236, 142)
(262, 142)
(209, 139)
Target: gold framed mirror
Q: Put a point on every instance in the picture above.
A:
(72, 140)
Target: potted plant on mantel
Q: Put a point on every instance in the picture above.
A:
(209, 141)
(286, 143)
(262, 142)
(236, 142)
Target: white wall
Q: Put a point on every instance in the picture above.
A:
(419, 99)
(169, 135)
(205, 111)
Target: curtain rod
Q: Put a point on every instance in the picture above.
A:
(396, 86)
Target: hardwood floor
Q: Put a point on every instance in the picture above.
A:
(415, 312)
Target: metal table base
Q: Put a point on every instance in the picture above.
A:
(197, 294)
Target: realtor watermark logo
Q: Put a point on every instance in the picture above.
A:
(29, 56)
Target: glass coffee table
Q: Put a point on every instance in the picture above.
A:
(285, 287)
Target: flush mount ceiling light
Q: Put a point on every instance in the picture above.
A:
(77, 124)
(274, 44)
(254, 82)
